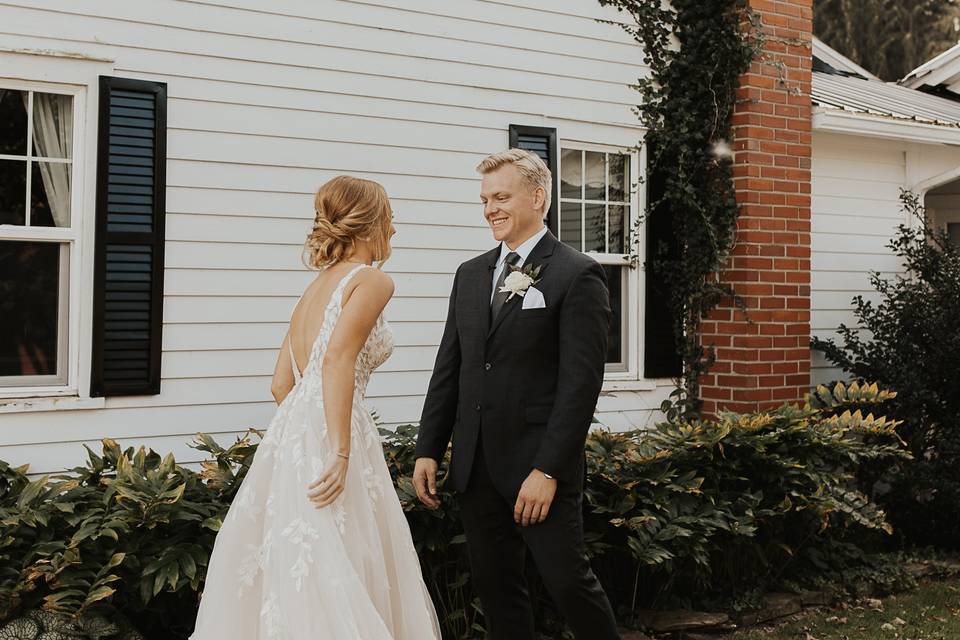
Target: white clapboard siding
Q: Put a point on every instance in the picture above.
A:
(266, 101)
(292, 232)
(855, 212)
(248, 282)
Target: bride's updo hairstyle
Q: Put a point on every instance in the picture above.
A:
(348, 210)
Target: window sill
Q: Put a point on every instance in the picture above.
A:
(49, 403)
(611, 384)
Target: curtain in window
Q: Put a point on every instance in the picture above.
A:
(53, 137)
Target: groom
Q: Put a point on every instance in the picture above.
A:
(515, 386)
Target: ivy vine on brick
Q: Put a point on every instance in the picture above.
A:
(696, 51)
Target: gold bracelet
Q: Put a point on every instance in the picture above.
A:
(345, 456)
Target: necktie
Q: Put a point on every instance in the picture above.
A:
(499, 298)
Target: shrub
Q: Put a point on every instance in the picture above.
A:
(686, 513)
(909, 341)
(128, 535)
(709, 509)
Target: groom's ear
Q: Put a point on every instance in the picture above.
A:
(539, 199)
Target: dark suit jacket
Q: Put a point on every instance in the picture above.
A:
(525, 386)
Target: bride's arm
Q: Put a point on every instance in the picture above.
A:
(282, 381)
(360, 312)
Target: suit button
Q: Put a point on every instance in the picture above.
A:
(478, 406)
(488, 366)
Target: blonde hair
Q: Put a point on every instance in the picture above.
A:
(348, 210)
(532, 168)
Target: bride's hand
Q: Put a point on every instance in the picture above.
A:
(325, 489)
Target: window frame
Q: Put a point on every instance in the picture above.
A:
(78, 77)
(633, 282)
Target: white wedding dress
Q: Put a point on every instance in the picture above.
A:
(283, 569)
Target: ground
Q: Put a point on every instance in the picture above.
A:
(931, 612)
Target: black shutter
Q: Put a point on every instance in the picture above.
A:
(543, 142)
(661, 359)
(128, 272)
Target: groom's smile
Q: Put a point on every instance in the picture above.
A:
(511, 206)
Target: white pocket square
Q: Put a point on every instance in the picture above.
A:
(533, 299)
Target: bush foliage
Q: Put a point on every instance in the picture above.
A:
(908, 341)
(687, 513)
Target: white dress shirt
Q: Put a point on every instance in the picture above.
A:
(523, 251)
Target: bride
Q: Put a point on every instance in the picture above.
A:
(315, 544)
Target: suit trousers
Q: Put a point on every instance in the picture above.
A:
(497, 548)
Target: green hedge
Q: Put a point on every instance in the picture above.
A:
(689, 513)
(906, 337)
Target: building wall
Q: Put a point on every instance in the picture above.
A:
(762, 339)
(856, 211)
(264, 105)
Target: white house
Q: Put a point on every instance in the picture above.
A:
(262, 106)
(871, 139)
(158, 160)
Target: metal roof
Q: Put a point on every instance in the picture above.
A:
(876, 98)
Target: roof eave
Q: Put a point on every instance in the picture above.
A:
(837, 60)
(863, 124)
(920, 76)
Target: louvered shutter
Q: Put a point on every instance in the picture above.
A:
(543, 142)
(128, 277)
(661, 359)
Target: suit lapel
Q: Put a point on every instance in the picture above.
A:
(485, 287)
(539, 255)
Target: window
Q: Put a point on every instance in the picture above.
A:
(38, 233)
(953, 232)
(597, 210)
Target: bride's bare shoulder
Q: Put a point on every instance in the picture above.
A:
(377, 279)
(374, 282)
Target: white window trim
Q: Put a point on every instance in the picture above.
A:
(632, 378)
(65, 72)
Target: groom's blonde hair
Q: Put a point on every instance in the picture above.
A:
(533, 170)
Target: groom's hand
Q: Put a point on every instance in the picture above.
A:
(536, 496)
(425, 482)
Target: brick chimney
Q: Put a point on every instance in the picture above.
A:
(763, 355)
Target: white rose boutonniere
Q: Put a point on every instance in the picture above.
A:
(521, 279)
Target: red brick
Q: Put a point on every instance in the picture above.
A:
(772, 330)
(773, 276)
(786, 135)
(790, 186)
(786, 110)
(721, 367)
(785, 342)
(759, 237)
(735, 381)
(753, 394)
(789, 394)
(772, 146)
(753, 263)
(740, 275)
(735, 328)
(746, 249)
(789, 264)
(752, 342)
(751, 367)
(771, 381)
(768, 359)
(772, 198)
